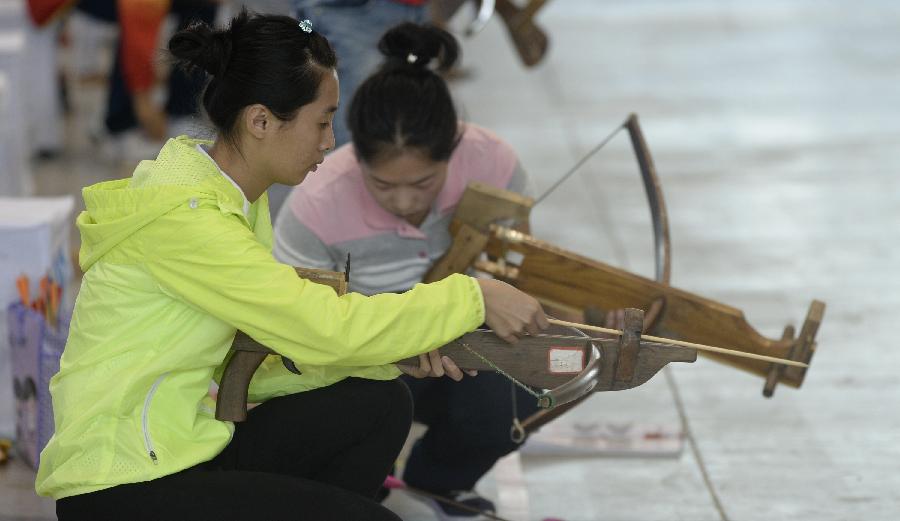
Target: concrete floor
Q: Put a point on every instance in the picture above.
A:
(774, 126)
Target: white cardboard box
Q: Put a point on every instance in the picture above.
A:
(34, 241)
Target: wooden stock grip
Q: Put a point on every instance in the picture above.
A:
(231, 403)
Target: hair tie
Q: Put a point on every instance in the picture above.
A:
(411, 58)
(305, 26)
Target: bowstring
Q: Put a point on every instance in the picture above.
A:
(580, 162)
(517, 432)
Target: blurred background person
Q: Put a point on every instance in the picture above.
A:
(132, 101)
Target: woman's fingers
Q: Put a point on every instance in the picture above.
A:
(415, 372)
(541, 320)
(610, 319)
(432, 364)
(424, 364)
(509, 312)
(437, 366)
(506, 334)
(615, 318)
(451, 369)
(534, 327)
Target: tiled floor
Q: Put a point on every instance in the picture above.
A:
(775, 129)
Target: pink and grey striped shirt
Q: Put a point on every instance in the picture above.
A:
(332, 214)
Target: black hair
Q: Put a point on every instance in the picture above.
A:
(265, 59)
(405, 103)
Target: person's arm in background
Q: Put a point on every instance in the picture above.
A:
(42, 12)
(140, 22)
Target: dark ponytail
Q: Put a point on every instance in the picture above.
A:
(265, 59)
(405, 103)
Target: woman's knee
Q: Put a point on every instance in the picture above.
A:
(396, 400)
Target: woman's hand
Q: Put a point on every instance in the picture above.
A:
(509, 312)
(432, 364)
(615, 319)
(151, 117)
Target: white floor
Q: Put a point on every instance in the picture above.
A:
(775, 126)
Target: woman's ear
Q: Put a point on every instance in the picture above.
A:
(257, 120)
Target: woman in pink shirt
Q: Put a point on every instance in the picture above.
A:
(387, 199)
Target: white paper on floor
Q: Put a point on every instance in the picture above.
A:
(610, 439)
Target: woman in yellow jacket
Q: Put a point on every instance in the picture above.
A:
(177, 257)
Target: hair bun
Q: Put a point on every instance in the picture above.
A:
(417, 45)
(201, 47)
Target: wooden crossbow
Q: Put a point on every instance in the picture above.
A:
(565, 280)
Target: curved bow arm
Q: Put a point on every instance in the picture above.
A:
(581, 385)
(662, 244)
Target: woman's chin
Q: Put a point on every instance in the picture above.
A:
(302, 178)
(308, 172)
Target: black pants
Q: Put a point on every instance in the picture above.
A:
(319, 456)
(468, 429)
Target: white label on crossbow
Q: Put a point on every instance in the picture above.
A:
(565, 360)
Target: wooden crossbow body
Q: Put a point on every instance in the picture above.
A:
(564, 366)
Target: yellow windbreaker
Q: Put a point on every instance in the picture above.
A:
(172, 268)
